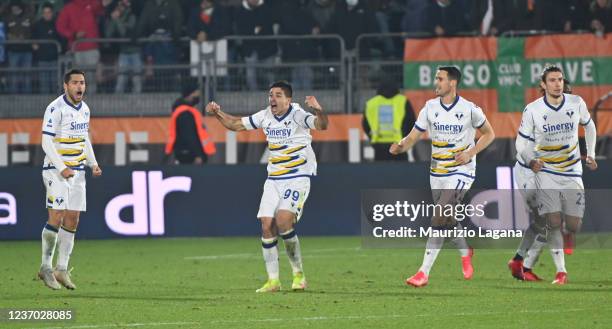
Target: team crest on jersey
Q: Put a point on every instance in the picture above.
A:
(570, 113)
(459, 116)
(436, 114)
(59, 201)
(287, 123)
(86, 114)
(545, 117)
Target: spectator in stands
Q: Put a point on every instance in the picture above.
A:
(189, 141)
(578, 16)
(256, 18)
(552, 15)
(18, 25)
(79, 20)
(387, 118)
(602, 16)
(211, 22)
(122, 24)
(299, 50)
(516, 15)
(388, 14)
(415, 16)
(350, 20)
(322, 12)
(447, 17)
(46, 54)
(161, 19)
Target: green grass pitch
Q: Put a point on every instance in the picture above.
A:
(211, 282)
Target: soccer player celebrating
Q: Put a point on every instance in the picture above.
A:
(552, 122)
(291, 164)
(67, 147)
(452, 122)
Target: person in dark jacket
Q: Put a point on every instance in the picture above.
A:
(519, 15)
(122, 24)
(447, 17)
(299, 50)
(46, 54)
(601, 22)
(351, 19)
(18, 26)
(211, 22)
(189, 140)
(256, 18)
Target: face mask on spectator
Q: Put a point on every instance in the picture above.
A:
(352, 3)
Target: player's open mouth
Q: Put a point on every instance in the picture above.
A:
(79, 93)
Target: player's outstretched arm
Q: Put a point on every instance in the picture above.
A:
(406, 143)
(488, 135)
(321, 121)
(228, 121)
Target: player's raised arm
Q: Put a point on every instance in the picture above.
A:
(321, 121)
(228, 121)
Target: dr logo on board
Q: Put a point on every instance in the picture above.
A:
(147, 201)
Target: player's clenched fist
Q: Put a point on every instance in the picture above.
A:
(97, 172)
(67, 173)
(591, 163)
(463, 157)
(312, 102)
(536, 165)
(395, 149)
(213, 108)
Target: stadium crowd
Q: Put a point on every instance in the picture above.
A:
(67, 21)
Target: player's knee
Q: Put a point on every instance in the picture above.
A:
(539, 227)
(438, 221)
(553, 221)
(71, 220)
(267, 227)
(284, 220)
(573, 224)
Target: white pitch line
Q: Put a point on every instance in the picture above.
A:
(316, 318)
(392, 316)
(121, 325)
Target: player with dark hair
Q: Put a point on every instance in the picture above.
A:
(451, 121)
(548, 144)
(291, 164)
(68, 149)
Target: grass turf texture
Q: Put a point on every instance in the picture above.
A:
(210, 283)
